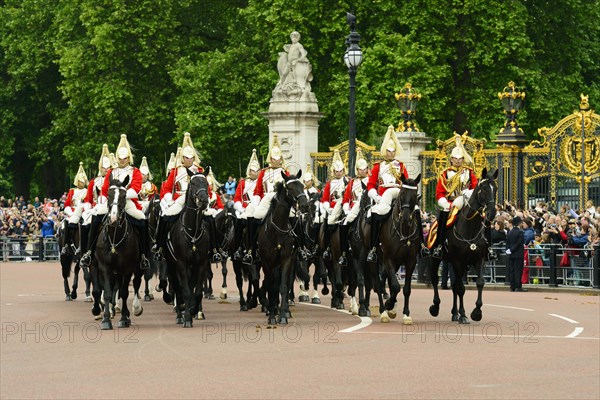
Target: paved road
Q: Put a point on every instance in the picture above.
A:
(528, 345)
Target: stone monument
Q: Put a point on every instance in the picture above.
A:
(293, 111)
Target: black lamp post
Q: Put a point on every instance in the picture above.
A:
(352, 58)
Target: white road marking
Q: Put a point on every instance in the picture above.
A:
(513, 308)
(364, 321)
(565, 318)
(521, 337)
(576, 332)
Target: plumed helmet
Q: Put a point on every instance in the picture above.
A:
(80, 176)
(171, 163)
(188, 150)
(336, 163)
(253, 164)
(113, 160)
(361, 163)
(459, 151)
(212, 181)
(124, 149)
(275, 152)
(309, 176)
(144, 168)
(391, 143)
(104, 161)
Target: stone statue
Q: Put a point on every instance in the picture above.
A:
(295, 71)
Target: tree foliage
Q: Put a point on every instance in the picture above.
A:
(79, 73)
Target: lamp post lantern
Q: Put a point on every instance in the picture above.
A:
(352, 58)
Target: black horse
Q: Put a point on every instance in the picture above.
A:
(66, 261)
(467, 245)
(188, 246)
(155, 265)
(276, 245)
(118, 256)
(224, 225)
(401, 238)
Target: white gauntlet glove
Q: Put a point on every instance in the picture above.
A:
(444, 203)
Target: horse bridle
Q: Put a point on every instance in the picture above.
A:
(479, 211)
(414, 232)
(295, 202)
(120, 221)
(196, 195)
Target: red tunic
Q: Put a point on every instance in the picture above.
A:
(374, 181)
(135, 184)
(440, 190)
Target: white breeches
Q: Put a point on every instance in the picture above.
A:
(335, 214)
(132, 210)
(145, 204)
(174, 208)
(263, 207)
(353, 213)
(79, 213)
(385, 205)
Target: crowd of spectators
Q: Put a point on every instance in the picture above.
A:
(19, 217)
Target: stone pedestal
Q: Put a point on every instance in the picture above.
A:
(413, 143)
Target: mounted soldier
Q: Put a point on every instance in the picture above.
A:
(133, 208)
(149, 189)
(384, 185)
(172, 193)
(331, 200)
(351, 201)
(264, 192)
(243, 200)
(74, 208)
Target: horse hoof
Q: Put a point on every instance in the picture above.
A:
(243, 307)
(369, 313)
(354, 310)
(88, 299)
(74, 295)
(210, 297)
(384, 318)
(96, 311)
(340, 306)
(463, 320)
(283, 320)
(392, 314)
(325, 291)
(187, 324)
(476, 314)
(291, 303)
(303, 299)
(179, 320)
(151, 296)
(167, 298)
(272, 321)
(68, 298)
(406, 320)
(97, 317)
(124, 324)
(316, 300)
(454, 318)
(157, 288)
(200, 316)
(288, 314)
(106, 325)
(434, 310)
(223, 294)
(263, 309)
(138, 312)
(362, 312)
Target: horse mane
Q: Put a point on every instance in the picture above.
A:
(279, 188)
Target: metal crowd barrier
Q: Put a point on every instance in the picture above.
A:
(28, 248)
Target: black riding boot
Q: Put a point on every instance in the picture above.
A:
(315, 238)
(68, 247)
(216, 256)
(343, 261)
(161, 239)
(237, 239)
(144, 244)
(86, 259)
(326, 240)
(84, 232)
(375, 227)
(252, 228)
(441, 234)
(303, 252)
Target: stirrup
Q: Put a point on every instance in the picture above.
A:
(302, 254)
(248, 258)
(86, 259)
(372, 257)
(491, 255)
(437, 252)
(66, 251)
(216, 257)
(158, 255)
(327, 254)
(144, 263)
(224, 254)
(343, 261)
(424, 251)
(77, 253)
(238, 254)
